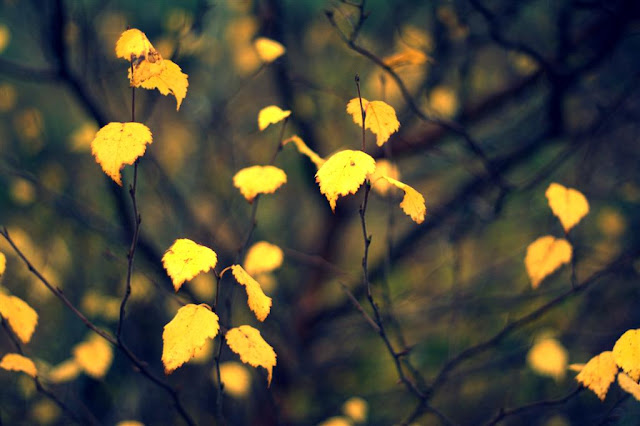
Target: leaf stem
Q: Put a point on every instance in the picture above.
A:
(362, 111)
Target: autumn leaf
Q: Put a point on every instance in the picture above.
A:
(599, 373)
(21, 317)
(626, 353)
(187, 333)
(133, 45)
(548, 358)
(169, 80)
(64, 372)
(380, 118)
(544, 256)
(383, 168)
(258, 302)
(356, 409)
(263, 257)
(629, 385)
(185, 259)
(405, 58)
(17, 362)
(94, 356)
(3, 263)
(268, 50)
(343, 173)
(305, 150)
(255, 180)
(271, 115)
(412, 202)
(236, 379)
(247, 342)
(117, 144)
(568, 204)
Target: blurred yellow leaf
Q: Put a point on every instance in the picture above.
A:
(406, 57)
(64, 372)
(356, 409)
(258, 302)
(626, 353)
(343, 173)
(599, 373)
(548, 358)
(271, 115)
(263, 257)
(255, 180)
(129, 423)
(544, 256)
(17, 362)
(236, 379)
(5, 37)
(305, 150)
(568, 204)
(383, 168)
(185, 259)
(3, 263)
(187, 333)
(629, 385)
(247, 342)
(268, 50)
(133, 45)
(94, 356)
(169, 80)
(380, 118)
(336, 421)
(412, 202)
(81, 137)
(443, 101)
(576, 367)
(117, 144)
(21, 317)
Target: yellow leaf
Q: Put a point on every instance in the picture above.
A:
(133, 45)
(169, 80)
(94, 356)
(544, 256)
(626, 352)
(117, 144)
(21, 317)
(405, 58)
(356, 409)
(144, 70)
(64, 372)
(247, 342)
(3, 263)
(187, 333)
(412, 202)
(548, 358)
(380, 118)
(599, 373)
(305, 150)
(383, 168)
(263, 257)
(258, 302)
(256, 180)
(271, 115)
(129, 423)
(576, 367)
(185, 259)
(336, 421)
(17, 362)
(568, 204)
(268, 50)
(629, 385)
(343, 173)
(236, 379)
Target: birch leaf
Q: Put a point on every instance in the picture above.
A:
(258, 302)
(599, 373)
(185, 259)
(236, 379)
(544, 256)
(343, 173)
(170, 80)
(133, 45)
(64, 372)
(412, 202)
(380, 118)
(263, 257)
(255, 180)
(247, 342)
(271, 115)
(17, 362)
(548, 358)
(117, 144)
(626, 353)
(268, 50)
(629, 385)
(21, 317)
(94, 356)
(186, 334)
(568, 204)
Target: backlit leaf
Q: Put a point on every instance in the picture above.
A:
(568, 204)
(629, 385)
(170, 80)
(405, 58)
(187, 333)
(144, 70)
(271, 115)
(383, 168)
(236, 379)
(305, 150)
(3, 263)
(94, 356)
(380, 118)
(117, 144)
(548, 358)
(356, 409)
(626, 353)
(263, 257)
(247, 342)
(343, 173)
(64, 372)
(185, 259)
(412, 202)
(336, 421)
(21, 317)
(258, 302)
(256, 180)
(268, 50)
(544, 256)
(133, 45)
(599, 373)
(17, 362)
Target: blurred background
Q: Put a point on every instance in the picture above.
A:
(501, 99)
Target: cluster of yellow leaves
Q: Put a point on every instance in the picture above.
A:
(255, 180)
(271, 114)
(117, 144)
(17, 362)
(148, 69)
(380, 118)
(547, 254)
(21, 317)
(259, 303)
(185, 259)
(93, 356)
(247, 342)
(601, 370)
